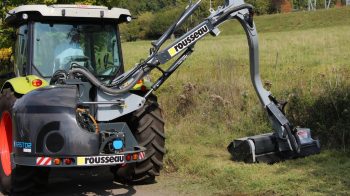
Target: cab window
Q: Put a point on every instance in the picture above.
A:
(21, 49)
(62, 46)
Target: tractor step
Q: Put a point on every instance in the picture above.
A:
(268, 148)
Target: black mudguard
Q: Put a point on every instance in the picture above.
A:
(45, 124)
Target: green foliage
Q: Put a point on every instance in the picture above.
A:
(328, 113)
(152, 25)
(294, 21)
(262, 6)
(162, 21)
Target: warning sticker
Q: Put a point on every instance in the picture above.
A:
(101, 160)
(43, 161)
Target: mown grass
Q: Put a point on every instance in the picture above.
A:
(210, 101)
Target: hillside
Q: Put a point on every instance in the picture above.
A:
(294, 21)
(210, 101)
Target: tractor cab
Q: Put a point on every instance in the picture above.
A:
(59, 37)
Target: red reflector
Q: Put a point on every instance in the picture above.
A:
(37, 82)
(57, 161)
(135, 156)
(67, 161)
(128, 157)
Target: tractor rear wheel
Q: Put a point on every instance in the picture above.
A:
(147, 125)
(20, 180)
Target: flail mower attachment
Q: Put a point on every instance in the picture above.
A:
(269, 148)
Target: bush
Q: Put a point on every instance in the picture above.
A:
(149, 25)
(152, 25)
(137, 29)
(262, 6)
(327, 114)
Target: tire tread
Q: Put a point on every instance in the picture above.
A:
(147, 125)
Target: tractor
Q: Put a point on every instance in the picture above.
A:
(72, 104)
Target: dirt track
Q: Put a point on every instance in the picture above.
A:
(99, 181)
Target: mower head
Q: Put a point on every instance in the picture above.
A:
(269, 148)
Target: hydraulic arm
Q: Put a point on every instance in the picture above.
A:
(285, 137)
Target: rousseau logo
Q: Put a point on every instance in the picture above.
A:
(188, 40)
(98, 160)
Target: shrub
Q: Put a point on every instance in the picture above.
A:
(262, 6)
(327, 113)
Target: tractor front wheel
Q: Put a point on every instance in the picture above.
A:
(16, 180)
(147, 125)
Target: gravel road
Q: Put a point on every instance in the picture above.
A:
(99, 181)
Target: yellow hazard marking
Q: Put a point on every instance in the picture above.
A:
(172, 52)
(81, 161)
(23, 85)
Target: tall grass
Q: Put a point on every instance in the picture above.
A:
(210, 101)
(214, 85)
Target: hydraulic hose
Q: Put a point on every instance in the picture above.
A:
(101, 86)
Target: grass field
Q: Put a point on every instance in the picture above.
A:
(210, 101)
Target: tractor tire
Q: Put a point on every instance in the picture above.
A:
(20, 180)
(147, 125)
